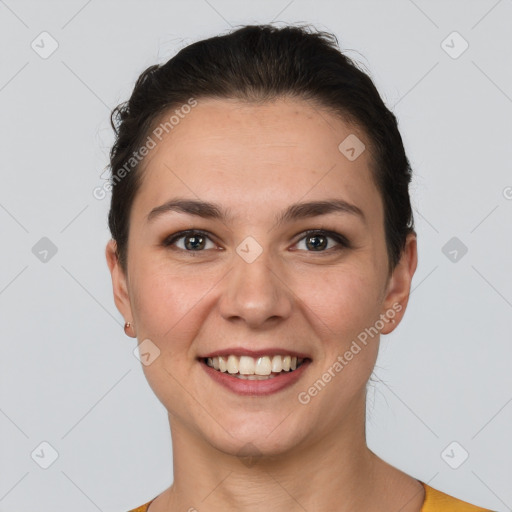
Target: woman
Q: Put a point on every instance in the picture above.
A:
(262, 240)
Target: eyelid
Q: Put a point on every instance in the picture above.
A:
(174, 237)
(341, 240)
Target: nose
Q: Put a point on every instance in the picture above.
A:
(256, 293)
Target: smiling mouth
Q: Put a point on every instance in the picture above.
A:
(254, 368)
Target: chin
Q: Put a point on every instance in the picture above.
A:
(255, 448)
(254, 436)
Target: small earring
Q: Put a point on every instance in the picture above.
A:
(127, 325)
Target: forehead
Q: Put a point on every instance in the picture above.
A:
(250, 156)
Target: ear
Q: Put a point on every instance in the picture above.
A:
(399, 286)
(119, 282)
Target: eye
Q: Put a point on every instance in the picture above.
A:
(193, 241)
(317, 241)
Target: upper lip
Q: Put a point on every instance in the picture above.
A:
(240, 351)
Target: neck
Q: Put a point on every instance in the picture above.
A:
(335, 471)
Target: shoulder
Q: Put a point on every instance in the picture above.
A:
(437, 501)
(142, 508)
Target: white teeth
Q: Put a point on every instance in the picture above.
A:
(277, 364)
(263, 366)
(254, 377)
(232, 364)
(247, 367)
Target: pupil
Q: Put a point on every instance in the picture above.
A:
(197, 242)
(316, 245)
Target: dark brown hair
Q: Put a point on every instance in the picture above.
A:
(261, 63)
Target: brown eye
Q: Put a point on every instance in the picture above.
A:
(193, 241)
(318, 241)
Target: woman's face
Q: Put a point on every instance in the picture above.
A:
(251, 282)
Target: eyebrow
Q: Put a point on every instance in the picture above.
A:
(293, 212)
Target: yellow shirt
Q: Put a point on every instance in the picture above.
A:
(435, 501)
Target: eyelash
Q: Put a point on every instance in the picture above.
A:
(342, 241)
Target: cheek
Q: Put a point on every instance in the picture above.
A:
(171, 304)
(168, 312)
(344, 299)
(167, 303)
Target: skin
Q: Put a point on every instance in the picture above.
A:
(255, 160)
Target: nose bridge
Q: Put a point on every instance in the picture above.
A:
(254, 291)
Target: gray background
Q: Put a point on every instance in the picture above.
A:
(68, 376)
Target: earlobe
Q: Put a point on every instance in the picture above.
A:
(119, 282)
(399, 285)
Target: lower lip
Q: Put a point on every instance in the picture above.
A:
(256, 387)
